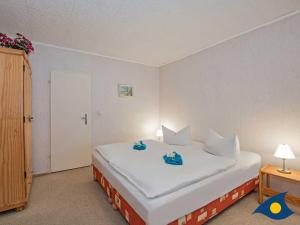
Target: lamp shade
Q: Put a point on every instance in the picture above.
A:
(159, 133)
(284, 152)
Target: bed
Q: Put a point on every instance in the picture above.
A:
(192, 204)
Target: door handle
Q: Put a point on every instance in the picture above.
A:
(84, 118)
(28, 118)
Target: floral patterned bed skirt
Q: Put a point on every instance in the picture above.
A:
(197, 217)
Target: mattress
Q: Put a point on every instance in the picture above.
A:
(164, 209)
(141, 167)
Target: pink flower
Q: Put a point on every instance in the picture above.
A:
(20, 42)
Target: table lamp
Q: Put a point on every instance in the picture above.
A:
(159, 134)
(284, 152)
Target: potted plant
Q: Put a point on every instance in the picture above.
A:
(20, 42)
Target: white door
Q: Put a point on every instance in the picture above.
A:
(70, 120)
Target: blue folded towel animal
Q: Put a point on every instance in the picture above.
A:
(173, 158)
(139, 146)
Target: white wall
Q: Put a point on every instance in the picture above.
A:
(121, 119)
(249, 85)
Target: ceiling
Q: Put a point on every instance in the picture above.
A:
(151, 32)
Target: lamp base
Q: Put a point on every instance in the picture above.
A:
(284, 171)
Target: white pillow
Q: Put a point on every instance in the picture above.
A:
(220, 146)
(213, 137)
(182, 137)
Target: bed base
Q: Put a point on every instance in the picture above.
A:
(197, 217)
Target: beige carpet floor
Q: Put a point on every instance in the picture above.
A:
(73, 198)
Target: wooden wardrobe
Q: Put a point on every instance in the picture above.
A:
(15, 129)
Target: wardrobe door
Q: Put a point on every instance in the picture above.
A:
(28, 126)
(12, 180)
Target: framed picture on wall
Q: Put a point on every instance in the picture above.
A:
(125, 90)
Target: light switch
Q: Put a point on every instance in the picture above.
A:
(98, 113)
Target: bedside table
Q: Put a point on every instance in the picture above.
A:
(269, 171)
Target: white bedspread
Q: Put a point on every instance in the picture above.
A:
(147, 171)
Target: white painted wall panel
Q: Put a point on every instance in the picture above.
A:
(121, 119)
(249, 85)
